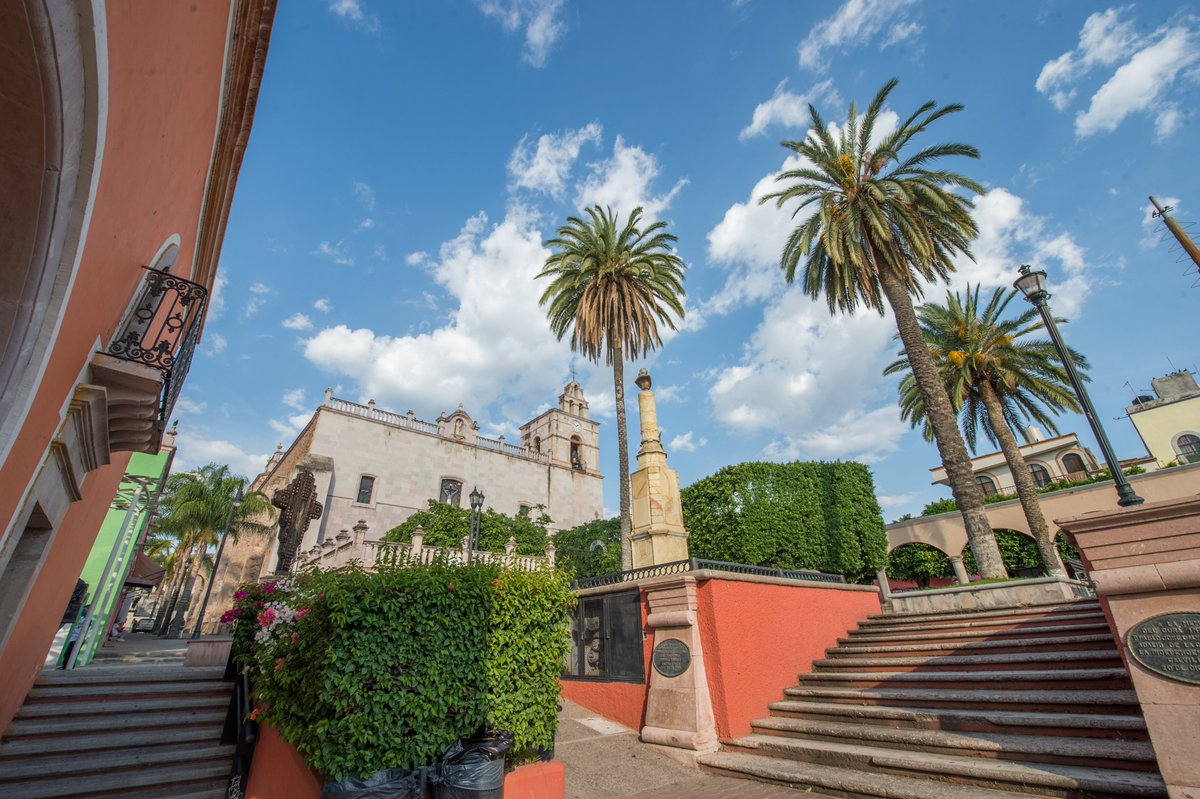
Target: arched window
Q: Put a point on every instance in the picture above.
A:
(1041, 475)
(537, 444)
(1073, 465)
(576, 453)
(366, 487)
(1188, 446)
(451, 492)
(987, 484)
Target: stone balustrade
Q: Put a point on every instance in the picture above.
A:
(353, 547)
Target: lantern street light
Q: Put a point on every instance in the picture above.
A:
(1033, 285)
(212, 578)
(476, 507)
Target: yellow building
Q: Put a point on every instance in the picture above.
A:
(1169, 421)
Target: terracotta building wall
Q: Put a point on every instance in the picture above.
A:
(165, 63)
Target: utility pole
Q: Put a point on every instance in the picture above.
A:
(1186, 243)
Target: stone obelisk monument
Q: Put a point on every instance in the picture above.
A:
(657, 533)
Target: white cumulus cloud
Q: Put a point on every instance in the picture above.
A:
(193, 451)
(353, 13)
(624, 181)
(545, 165)
(323, 305)
(855, 23)
(686, 442)
(785, 108)
(540, 19)
(298, 321)
(335, 252)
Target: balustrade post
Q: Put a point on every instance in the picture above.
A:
(550, 550)
(360, 535)
(465, 544)
(418, 540)
(328, 396)
(510, 548)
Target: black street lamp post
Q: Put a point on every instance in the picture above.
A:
(476, 507)
(237, 500)
(1033, 285)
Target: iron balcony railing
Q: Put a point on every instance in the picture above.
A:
(161, 331)
(696, 564)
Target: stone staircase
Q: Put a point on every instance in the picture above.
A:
(142, 732)
(990, 704)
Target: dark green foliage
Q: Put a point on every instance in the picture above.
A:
(798, 515)
(918, 562)
(447, 525)
(944, 505)
(363, 671)
(1018, 550)
(590, 549)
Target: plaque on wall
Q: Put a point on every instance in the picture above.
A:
(1168, 645)
(672, 657)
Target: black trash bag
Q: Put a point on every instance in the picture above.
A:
(474, 768)
(393, 783)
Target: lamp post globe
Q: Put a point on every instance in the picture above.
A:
(1032, 284)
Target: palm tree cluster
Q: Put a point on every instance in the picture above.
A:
(197, 507)
(998, 380)
(885, 224)
(611, 286)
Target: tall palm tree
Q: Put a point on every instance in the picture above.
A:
(996, 378)
(612, 285)
(197, 507)
(885, 224)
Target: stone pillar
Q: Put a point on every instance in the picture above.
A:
(550, 551)
(418, 540)
(657, 532)
(885, 588)
(678, 706)
(1144, 562)
(328, 396)
(960, 571)
(510, 546)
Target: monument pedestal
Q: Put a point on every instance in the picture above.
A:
(1145, 564)
(678, 707)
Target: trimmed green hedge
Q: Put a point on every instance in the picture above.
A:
(920, 562)
(947, 504)
(590, 549)
(363, 671)
(802, 515)
(446, 525)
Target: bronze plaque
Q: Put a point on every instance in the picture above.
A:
(672, 657)
(1168, 645)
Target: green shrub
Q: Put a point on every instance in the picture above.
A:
(919, 562)
(798, 515)
(447, 525)
(590, 549)
(363, 671)
(946, 505)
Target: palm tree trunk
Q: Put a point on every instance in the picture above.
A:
(162, 623)
(622, 459)
(179, 619)
(1023, 479)
(942, 419)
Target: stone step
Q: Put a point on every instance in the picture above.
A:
(130, 674)
(123, 782)
(1068, 700)
(854, 783)
(985, 613)
(1098, 658)
(997, 623)
(31, 747)
(93, 707)
(1073, 679)
(1045, 778)
(214, 789)
(83, 690)
(1032, 633)
(1102, 725)
(1099, 752)
(137, 757)
(1054, 644)
(132, 721)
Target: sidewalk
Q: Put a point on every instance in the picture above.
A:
(141, 648)
(607, 761)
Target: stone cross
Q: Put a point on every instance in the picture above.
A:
(298, 506)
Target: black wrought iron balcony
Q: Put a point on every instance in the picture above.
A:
(159, 336)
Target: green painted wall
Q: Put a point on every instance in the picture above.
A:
(140, 465)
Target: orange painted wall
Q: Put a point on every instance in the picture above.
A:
(758, 638)
(165, 66)
(622, 702)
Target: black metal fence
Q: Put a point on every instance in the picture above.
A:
(696, 564)
(161, 331)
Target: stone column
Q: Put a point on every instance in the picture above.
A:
(960, 571)
(1144, 562)
(678, 706)
(657, 532)
(418, 539)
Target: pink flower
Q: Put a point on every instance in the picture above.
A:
(229, 616)
(255, 714)
(266, 617)
(301, 613)
(239, 595)
(295, 637)
(279, 664)
(258, 603)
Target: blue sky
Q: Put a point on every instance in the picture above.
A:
(409, 159)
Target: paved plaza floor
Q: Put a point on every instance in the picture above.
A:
(607, 761)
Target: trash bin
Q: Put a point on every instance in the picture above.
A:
(474, 768)
(395, 783)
